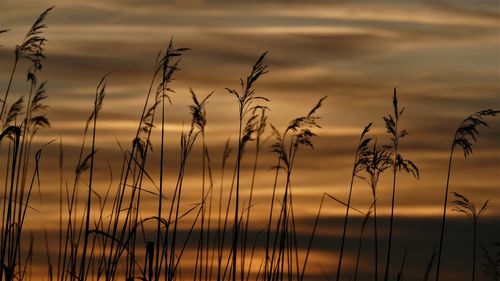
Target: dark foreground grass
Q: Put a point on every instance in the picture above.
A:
(111, 236)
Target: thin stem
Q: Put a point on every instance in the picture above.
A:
(386, 274)
(441, 237)
(245, 233)
(394, 172)
(4, 102)
(89, 198)
(160, 197)
(339, 266)
(474, 251)
(238, 168)
(268, 233)
(376, 236)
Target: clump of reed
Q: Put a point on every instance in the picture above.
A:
(463, 205)
(20, 124)
(281, 251)
(248, 104)
(398, 163)
(379, 160)
(361, 160)
(108, 235)
(465, 136)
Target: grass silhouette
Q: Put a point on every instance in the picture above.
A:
(397, 162)
(463, 205)
(361, 160)
(466, 134)
(110, 236)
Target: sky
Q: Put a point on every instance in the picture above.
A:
(443, 57)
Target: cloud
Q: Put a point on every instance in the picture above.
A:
(441, 56)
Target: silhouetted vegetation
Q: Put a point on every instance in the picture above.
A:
(110, 236)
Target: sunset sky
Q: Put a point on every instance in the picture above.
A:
(442, 56)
